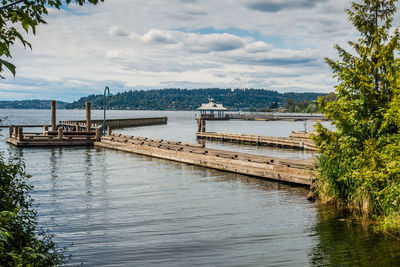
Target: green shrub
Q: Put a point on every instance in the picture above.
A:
(22, 242)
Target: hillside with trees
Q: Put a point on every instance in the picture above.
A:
(190, 99)
(30, 104)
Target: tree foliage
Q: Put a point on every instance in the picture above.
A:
(30, 104)
(190, 99)
(304, 106)
(19, 16)
(22, 243)
(360, 160)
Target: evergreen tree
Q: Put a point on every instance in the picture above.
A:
(359, 164)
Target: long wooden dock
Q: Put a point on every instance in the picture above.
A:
(285, 170)
(261, 140)
(302, 135)
(267, 116)
(123, 123)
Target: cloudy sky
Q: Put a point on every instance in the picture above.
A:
(136, 44)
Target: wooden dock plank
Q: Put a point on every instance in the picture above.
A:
(293, 171)
(283, 142)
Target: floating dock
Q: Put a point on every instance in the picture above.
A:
(284, 170)
(261, 116)
(258, 116)
(123, 123)
(50, 138)
(301, 135)
(283, 142)
(59, 135)
(72, 133)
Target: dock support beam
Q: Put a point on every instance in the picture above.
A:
(20, 134)
(60, 133)
(53, 115)
(88, 119)
(201, 125)
(98, 133)
(198, 125)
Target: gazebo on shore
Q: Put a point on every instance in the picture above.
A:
(213, 111)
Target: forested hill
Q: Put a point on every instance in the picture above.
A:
(30, 104)
(190, 99)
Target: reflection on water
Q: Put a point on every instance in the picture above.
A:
(121, 209)
(345, 240)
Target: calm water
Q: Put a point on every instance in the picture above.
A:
(121, 209)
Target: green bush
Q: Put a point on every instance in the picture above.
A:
(22, 242)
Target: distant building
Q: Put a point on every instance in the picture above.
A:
(213, 111)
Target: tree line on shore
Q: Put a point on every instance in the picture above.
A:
(185, 99)
(190, 99)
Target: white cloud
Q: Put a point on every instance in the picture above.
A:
(116, 31)
(177, 43)
(158, 36)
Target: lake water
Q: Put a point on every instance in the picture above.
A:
(120, 209)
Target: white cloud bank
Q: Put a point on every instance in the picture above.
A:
(125, 44)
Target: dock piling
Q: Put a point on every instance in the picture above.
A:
(53, 115)
(20, 134)
(201, 125)
(88, 119)
(60, 133)
(98, 133)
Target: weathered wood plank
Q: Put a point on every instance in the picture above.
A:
(293, 171)
(259, 140)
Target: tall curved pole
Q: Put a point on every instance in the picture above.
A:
(105, 107)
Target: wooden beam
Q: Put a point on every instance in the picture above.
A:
(53, 115)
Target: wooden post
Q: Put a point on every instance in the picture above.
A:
(15, 132)
(60, 133)
(109, 131)
(20, 134)
(45, 129)
(98, 133)
(198, 125)
(88, 120)
(53, 115)
(11, 131)
(203, 126)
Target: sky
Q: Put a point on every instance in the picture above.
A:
(140, 45)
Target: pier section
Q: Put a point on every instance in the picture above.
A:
(73, 133)
(123, 123)
(260, 140)
(284, 170)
